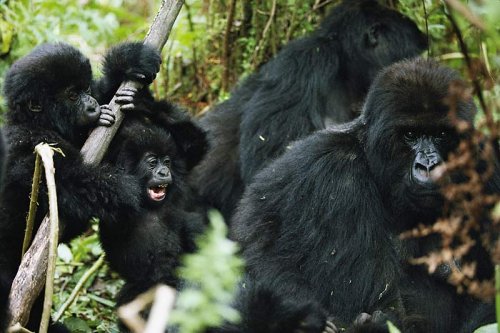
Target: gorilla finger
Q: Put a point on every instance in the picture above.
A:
(107, 119)
(127, 107)
(330, 327)
(362, 318)
(107, 111)
(122, 99)
(139, 76)
(129, 91)
(105, 122)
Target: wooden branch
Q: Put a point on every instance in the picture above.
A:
(29, 280)
(47, 154)
(161, 308)
(226, 54)
(17, 328)
(162, 297)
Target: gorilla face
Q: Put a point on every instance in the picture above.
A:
(155, 172)
(74, 108)
(427, 149)
(410, 134)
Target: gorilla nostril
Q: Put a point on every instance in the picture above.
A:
(421, 170)
(92, 109)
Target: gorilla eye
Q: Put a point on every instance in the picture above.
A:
(152, 162)
(73, 95)
(88, 91)
(166, 161)
(410, 135)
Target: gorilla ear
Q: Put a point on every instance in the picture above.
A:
(372, 35)
(191, 142)
(34, 106)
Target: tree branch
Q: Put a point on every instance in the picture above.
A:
(29, 280)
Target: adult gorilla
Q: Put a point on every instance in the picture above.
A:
(313, 82)
(321, 222)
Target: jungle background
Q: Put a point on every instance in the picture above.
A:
(214, 44)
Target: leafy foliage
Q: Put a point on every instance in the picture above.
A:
(93, 310)
(212, 275)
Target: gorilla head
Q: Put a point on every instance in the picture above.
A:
(50, 87)
(370, 37)
(409, 133)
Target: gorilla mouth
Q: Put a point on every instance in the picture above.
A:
(158, 193)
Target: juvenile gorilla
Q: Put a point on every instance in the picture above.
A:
(48, 95)
(313, 82)
(321, 223)
(159, 145)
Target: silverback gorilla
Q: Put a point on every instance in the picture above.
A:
(319, 226)
(50, 100)
(313, 82)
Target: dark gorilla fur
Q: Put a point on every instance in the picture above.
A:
(312, 82)
(48, 98)
(145, 248)
(321, 223)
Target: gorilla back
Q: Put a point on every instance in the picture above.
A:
(312, 82)
(322, 221)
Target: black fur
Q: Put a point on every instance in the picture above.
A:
(313, 82)
(321, 223)
(48, 100)
(145, 248)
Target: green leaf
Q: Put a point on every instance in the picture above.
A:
(491, 328)
(392, 328)
(64, 253)
(77, 325)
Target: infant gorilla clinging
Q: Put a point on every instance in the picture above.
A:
(159, 145)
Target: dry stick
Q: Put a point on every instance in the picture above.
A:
(160, 311)
(162, 297)
(264, 33)
(47, 153)
(30, 220)
(95, 267)
(17, 328)
(130, 313)
(29, 280)
(226, 55)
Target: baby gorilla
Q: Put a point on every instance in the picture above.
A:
(159, 147)
(49, 99)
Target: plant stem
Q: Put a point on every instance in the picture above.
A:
(30, 220)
